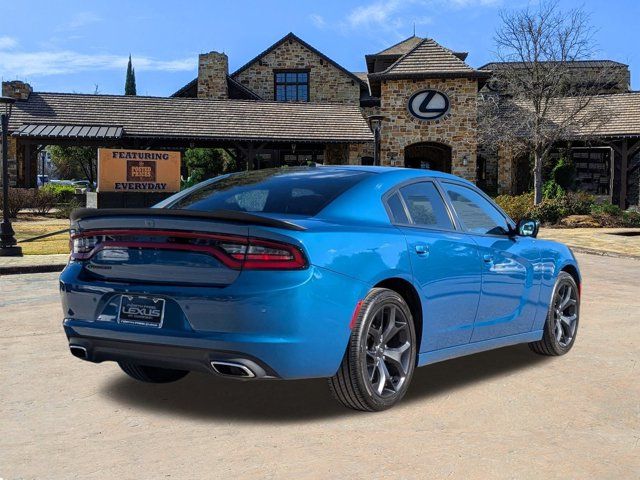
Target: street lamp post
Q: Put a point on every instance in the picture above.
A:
(376, 122)
(8, 242)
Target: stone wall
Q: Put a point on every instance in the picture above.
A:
(457, 129)
(213, 68)
(16, 89)
(326, 82)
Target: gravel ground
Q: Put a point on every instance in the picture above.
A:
(501, 414)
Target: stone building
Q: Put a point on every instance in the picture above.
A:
(291, 104)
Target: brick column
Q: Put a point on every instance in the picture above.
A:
(213, 68)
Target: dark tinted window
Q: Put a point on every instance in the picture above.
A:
(397, 209)
(298, 191)
(475, 212)
(426, 206)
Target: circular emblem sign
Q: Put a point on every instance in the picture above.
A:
(428, 104)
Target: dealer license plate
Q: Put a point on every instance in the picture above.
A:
(140, 310)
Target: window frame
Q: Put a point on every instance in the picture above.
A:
(459, 223)
(455, 226)
(277, 71)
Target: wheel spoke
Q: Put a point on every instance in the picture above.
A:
(568, 319)
(383, 375)
(394, 356)
(566, 302)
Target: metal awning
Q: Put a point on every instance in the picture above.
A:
(69, 131)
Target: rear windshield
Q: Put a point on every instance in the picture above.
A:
(295, 191)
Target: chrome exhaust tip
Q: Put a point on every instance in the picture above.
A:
(232, 369)
(79, 351)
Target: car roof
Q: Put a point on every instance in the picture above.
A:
(399, 171)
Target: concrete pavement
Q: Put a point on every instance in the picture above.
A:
(503, 414)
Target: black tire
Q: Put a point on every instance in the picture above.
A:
(152, 374)
(352, 385)
(550, 344)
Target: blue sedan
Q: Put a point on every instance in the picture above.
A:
(356, 274)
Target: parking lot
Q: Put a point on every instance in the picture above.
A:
(503, 414)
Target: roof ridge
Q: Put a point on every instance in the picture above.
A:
(388, 69)
(293, 36)
(395, 45)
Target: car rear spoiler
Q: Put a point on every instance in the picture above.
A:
(229, 215)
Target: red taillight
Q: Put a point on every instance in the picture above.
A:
(234, 252)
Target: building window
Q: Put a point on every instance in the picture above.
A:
(292, 86)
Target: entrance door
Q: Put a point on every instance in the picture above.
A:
(428, 155)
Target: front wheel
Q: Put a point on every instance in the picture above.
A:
(381, 356)
(561, 326)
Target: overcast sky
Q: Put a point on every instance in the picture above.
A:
(72, 46)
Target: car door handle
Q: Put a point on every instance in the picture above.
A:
(422, 249)
(487, 258)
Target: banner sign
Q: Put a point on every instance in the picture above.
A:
(138, 170)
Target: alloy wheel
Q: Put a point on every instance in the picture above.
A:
(565, 313)
(388, 351)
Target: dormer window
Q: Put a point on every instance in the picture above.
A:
(292, 86)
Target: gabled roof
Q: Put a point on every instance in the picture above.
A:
(428, 59)
(189, 118)
(294, 38)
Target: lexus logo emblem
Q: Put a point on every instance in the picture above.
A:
(428, 104)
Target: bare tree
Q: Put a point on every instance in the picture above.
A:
(538, 96)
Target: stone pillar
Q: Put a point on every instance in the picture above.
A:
(213, 68)
(505, 171)
(20, 91)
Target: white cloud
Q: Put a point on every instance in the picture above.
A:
(318, 20)
(82, 19)
(23, 64)
(379, 12)
(7, 43)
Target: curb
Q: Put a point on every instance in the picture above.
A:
(20, 269)
(603, 253)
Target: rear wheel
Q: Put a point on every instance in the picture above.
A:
(147, 374)
(381, 356)
(561, 326)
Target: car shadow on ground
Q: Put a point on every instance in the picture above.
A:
(207, 397)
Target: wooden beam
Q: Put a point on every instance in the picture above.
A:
(624, 161)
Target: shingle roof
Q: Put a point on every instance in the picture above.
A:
(621, 112)
(429, 58)
(574, 64)
(402, 47)
(192, 118)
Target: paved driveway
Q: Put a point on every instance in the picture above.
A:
(502, 414)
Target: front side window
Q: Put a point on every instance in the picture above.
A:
(292, 86)
(475, 212)
(425, 206)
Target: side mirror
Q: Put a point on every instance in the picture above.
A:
(528, 228)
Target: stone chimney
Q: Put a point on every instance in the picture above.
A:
(16, 89)
(213, 68)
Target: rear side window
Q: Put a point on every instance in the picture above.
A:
(397, 209)
(425, 206)
(296, 191)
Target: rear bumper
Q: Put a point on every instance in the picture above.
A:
(289, 325)
(166, 356)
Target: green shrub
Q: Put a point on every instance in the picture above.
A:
(62, 193)
(606, 209)
(551, 190)
(631, 218)
(564, 173)
(64, 209)
(518, 206)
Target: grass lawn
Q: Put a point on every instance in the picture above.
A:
(28, 226)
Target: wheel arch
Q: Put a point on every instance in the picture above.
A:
(410, 295)
(573, 271)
